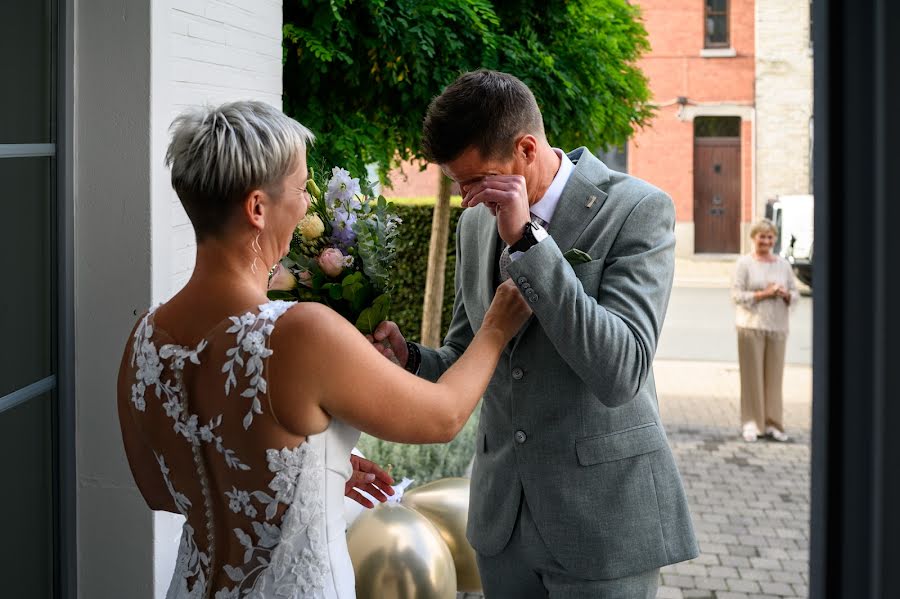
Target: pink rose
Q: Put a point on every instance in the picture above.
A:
(282, 280)
(331, 261)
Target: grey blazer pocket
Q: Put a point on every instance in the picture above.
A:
(588, 268)
(634, 441)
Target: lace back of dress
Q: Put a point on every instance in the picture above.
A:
(282, 547)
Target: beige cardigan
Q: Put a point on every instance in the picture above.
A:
(753, 275)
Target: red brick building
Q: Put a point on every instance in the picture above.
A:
(699, 147)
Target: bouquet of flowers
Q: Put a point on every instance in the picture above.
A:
(341, 253)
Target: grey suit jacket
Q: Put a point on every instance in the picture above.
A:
(570, 417)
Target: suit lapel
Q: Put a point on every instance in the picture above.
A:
(580, 201)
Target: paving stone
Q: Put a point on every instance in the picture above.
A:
(725, 572)
(788, 577)
(749, 502)
(751, 574)
(778, 588)
(711, 584)
(735, 561)
(762, 563)
(677, 580)
(665, 592)
(690, 569)
(744, 586)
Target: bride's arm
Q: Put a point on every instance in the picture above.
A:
(335, 368)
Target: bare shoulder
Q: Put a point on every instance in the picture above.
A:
(307, 316)
(310, 328)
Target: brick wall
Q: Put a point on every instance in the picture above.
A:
(662, 153)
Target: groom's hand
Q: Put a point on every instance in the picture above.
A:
(396, 344)
(369, 477)
(507, 198)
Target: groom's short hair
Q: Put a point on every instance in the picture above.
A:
(485, 109)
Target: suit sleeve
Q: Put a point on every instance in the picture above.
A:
(436, 361)
(610, 341)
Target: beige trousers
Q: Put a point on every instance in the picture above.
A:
(761, 357)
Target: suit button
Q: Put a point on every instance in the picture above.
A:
(525, 285)
(521, 280)
(533, 297)
(518, 374)
(521, 437)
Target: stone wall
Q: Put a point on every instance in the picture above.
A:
(783, 99)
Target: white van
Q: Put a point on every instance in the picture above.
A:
(793, 216)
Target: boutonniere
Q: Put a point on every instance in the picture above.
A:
(575, 256)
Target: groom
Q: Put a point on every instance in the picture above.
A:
(575, 492)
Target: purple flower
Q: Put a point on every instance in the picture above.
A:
(342, 227)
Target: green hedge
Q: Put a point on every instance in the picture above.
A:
(423, 463)
(412, 266)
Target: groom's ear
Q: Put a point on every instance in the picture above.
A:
(526, 148)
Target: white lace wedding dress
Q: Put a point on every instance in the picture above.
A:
(263, 519)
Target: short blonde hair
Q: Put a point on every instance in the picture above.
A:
(219, 154)
(763, 225)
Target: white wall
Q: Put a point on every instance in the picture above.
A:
(137, 65)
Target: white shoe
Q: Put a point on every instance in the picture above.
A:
(776, 434)
(750, 433)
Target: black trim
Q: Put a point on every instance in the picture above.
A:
(855, 451)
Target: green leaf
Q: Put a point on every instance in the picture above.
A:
(372, 316)
(281, 295)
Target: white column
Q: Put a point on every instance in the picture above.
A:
(112, 284)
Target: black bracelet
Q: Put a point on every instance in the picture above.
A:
(414, 359)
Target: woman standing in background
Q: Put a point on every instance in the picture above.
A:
(764, 290)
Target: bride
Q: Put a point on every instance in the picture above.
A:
(240, 413)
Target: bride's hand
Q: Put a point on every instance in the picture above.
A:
(508, 311)
(369, 477)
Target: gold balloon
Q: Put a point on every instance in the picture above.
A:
(445, 503)
(398, 554)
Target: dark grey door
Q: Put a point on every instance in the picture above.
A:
(28, 301)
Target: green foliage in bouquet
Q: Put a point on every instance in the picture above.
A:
(342, 252)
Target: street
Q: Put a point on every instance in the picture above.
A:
(700, 326)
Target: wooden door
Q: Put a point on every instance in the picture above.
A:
(717, 195)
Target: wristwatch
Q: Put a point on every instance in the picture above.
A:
(415, 358)
(527, 241)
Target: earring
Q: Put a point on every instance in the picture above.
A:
(256, 250)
